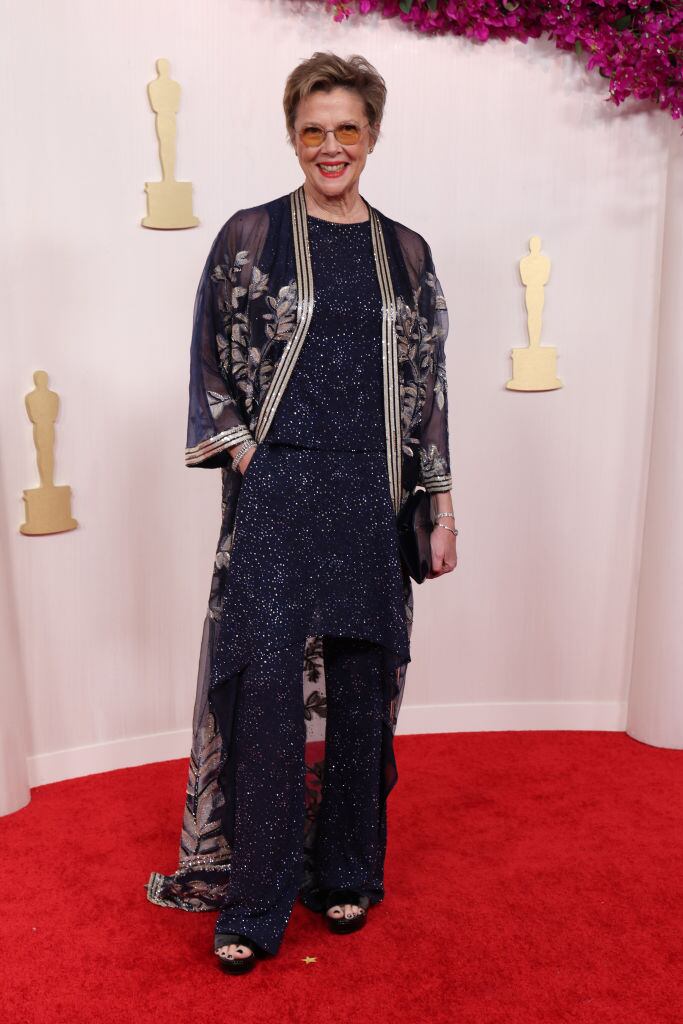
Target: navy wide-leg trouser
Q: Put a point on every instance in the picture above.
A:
(269, 738)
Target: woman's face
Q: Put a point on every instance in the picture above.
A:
(332, 168)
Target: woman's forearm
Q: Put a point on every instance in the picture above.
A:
(443, 502)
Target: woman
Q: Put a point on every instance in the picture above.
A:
(318, 385)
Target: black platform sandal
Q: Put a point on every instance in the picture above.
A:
(346, 925)
(230, 964)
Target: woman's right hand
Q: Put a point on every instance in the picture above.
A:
(246, 459)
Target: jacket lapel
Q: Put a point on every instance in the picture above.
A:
(392, 410)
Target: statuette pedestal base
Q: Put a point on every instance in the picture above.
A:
(534, 369)
(169, 205)
(48, 510)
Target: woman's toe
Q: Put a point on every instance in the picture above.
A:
(347, 911)
(233, 952)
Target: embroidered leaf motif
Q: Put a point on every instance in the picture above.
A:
(433, 461)
(218, 403)
(282, 319)
(316, 704)
(237, 293)
(202, 880)
(258, 284)
(245, 364)
(223, 551)
(223, 353)
(202, 835)
(407, 444)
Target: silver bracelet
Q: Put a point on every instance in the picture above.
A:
(448, 515)
(450, 529)
(242, 450)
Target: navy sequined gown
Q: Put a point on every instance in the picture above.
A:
(315, 549)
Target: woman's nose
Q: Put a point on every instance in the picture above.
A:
(330, 145)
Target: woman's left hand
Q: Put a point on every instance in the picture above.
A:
(444, 555)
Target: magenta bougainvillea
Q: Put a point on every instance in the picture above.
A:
(638, 47)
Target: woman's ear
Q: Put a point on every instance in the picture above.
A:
(374, 135)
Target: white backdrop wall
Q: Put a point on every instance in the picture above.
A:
(482, 147)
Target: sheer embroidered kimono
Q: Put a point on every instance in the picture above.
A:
(254, 306)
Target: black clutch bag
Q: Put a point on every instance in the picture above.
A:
(414, 525)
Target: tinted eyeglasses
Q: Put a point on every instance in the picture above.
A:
(347, 133)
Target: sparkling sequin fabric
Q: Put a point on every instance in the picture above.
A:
(334, 399)
(253, 330)
(315, 550)
(315, 554)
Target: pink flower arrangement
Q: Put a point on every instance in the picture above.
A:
(637, 46)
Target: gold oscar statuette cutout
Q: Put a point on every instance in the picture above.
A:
(169, 202)
(48, 508)
(534, 368)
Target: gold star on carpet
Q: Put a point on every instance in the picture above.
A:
(309, 960)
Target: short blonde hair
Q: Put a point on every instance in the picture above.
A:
(326, 71)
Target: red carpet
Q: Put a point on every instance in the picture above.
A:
(531, 877)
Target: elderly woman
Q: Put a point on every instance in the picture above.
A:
(318, 386)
